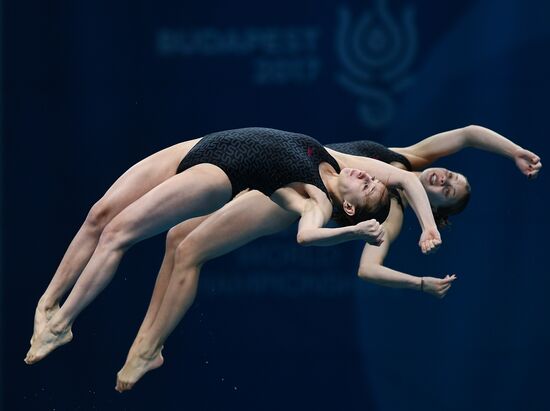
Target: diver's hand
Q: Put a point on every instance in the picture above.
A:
(527, 162)
(371, 231)
(438, 287)
(430, 240)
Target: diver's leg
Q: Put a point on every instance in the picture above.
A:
(174, 237)
(197, 191)
(135, 182)
(244, 219)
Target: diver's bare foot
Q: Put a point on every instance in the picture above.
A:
(46, 342)
(136, 366)
(42, 315)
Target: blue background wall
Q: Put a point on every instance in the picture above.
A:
(89, 88)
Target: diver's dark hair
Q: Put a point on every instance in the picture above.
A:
(441, 214)
(379, 211)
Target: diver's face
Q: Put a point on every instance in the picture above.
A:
(444, 187)
(359, 188)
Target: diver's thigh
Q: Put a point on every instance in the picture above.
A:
(246, 218)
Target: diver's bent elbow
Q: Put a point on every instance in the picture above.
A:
(301, 239)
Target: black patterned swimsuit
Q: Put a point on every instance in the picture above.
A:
(371, 149)
(263, 159)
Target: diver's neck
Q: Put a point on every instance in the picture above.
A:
(329, 177)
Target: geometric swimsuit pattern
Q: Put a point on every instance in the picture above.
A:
(263, 159)
(371, 149)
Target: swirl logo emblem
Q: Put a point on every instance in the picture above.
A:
(376, 54)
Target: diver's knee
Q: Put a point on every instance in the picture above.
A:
(188, 253)
(98, 216)
(178, 234)
(116, 236)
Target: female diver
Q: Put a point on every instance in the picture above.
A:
(293, 170)
(192, 243)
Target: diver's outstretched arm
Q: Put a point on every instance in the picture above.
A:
(372, 267)
(314, 212)
(430, 238)
(427, 151)
(392, 176)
